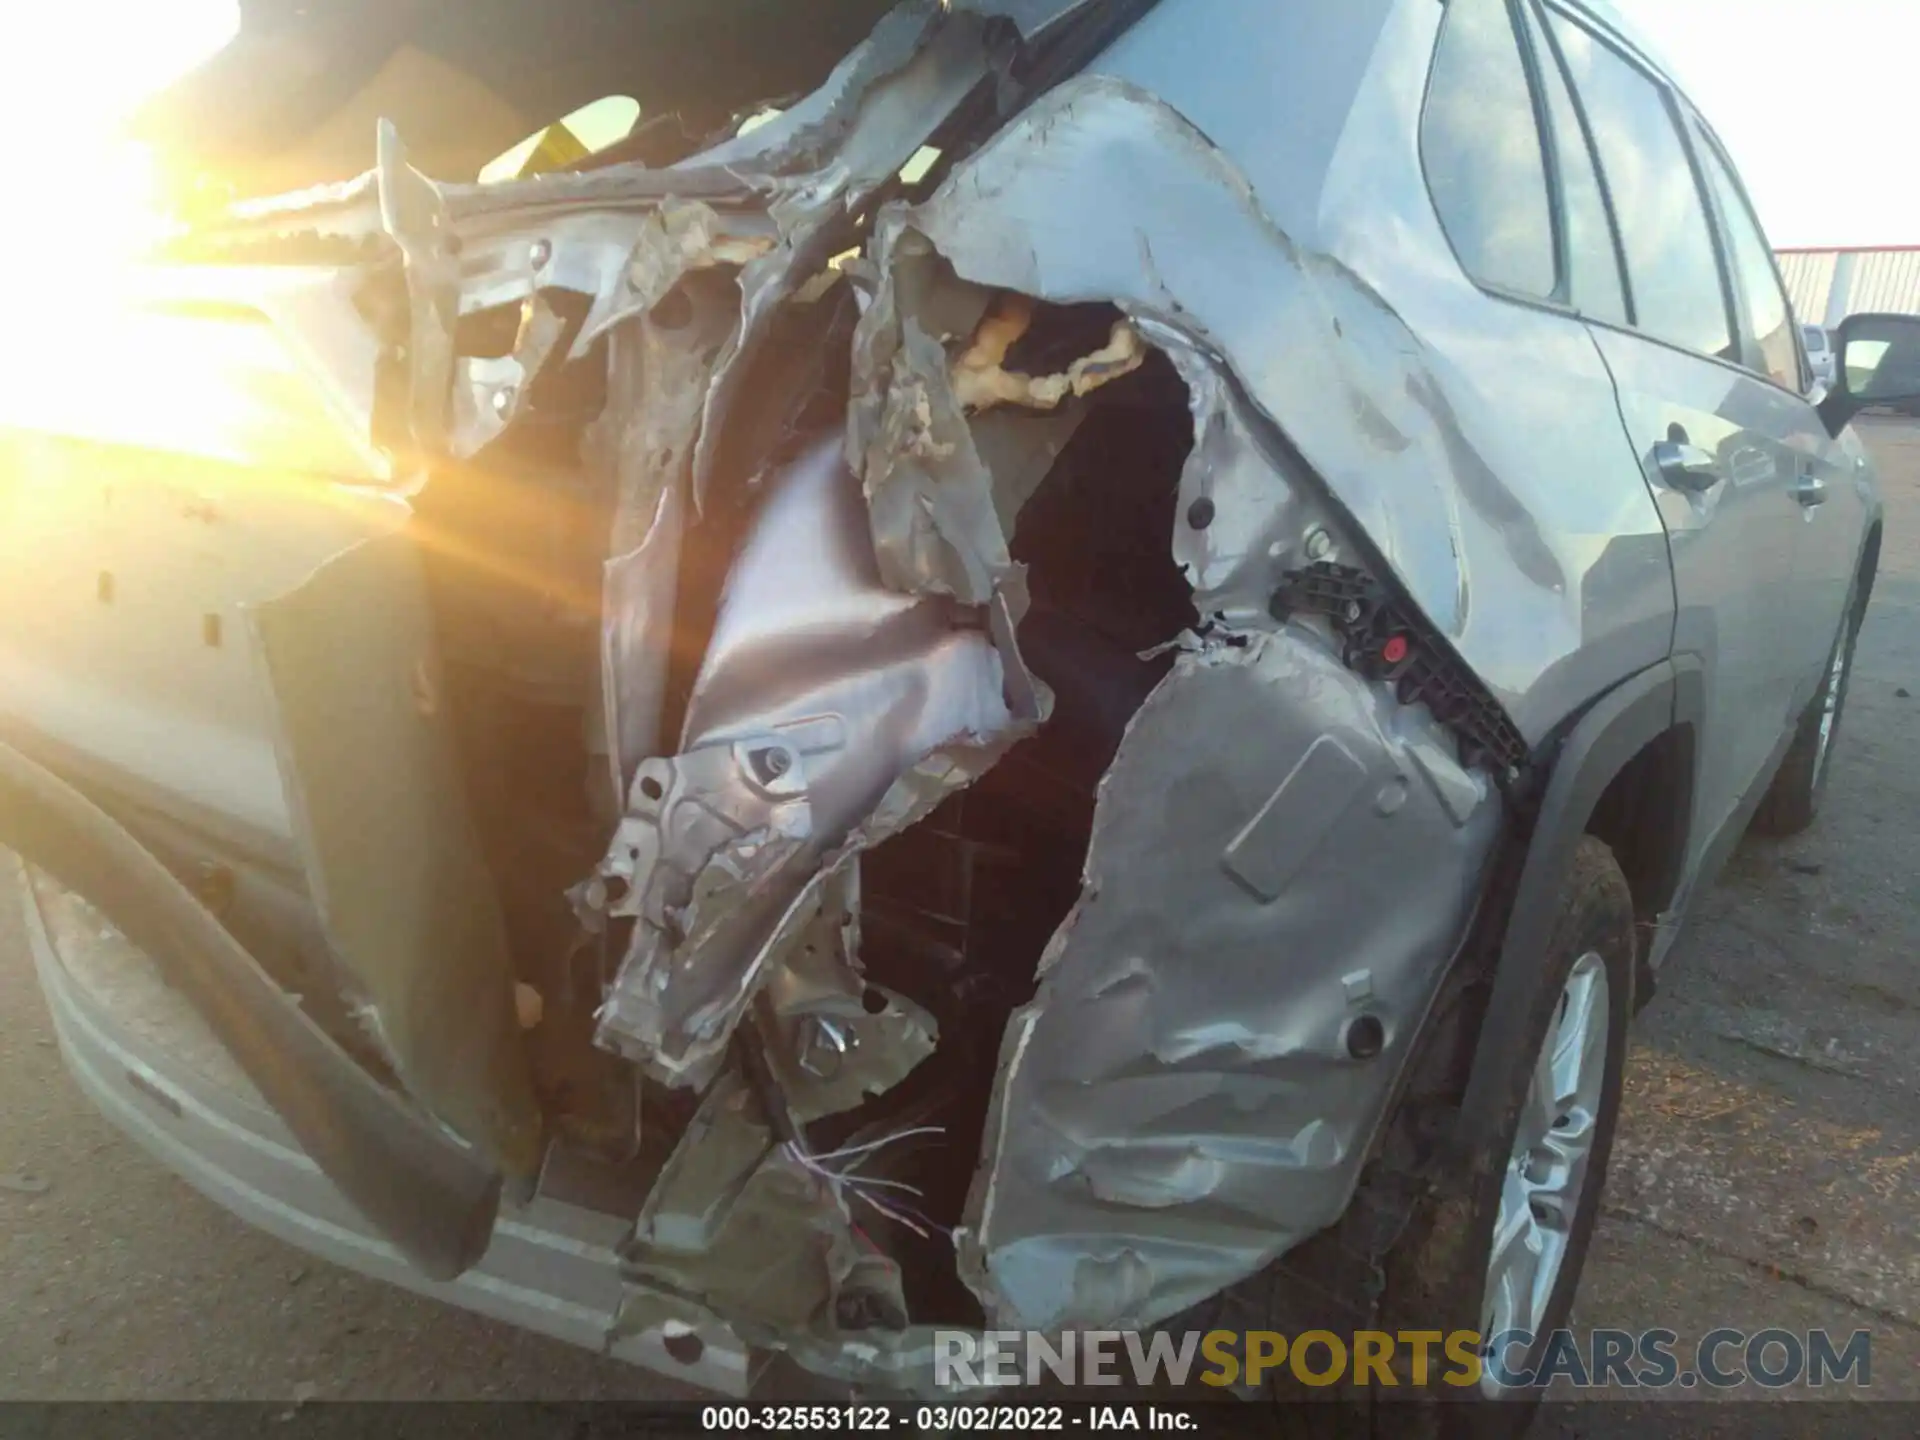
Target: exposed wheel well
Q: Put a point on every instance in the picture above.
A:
(1643, 816)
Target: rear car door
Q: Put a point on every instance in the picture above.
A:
(1827, 477)
(1710, 432)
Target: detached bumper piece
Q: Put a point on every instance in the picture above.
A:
(431, 1197)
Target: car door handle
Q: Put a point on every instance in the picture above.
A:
(1810, 490)
(1686, 467)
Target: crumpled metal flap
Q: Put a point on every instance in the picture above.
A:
(380, 815)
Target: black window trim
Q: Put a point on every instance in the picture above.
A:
(1541, 26)
(1549, 159)
(1677, 115)
(1604, 35)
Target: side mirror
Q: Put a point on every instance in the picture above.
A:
(1876, 362)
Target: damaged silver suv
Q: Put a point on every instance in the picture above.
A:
(1018, 663)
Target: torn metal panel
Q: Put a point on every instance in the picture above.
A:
(413, 213)
(811, 123)
(942, 433)
(1106, 189)
(489, 391)
(656, 381)
(1244, 521)
(899, 114)
(740, 1225)
(840, 1041)
(674, 241)
(380, 817)
(829, 711)
(936, 527)
(708, 870)
(1100, 189)
(1178, 1104)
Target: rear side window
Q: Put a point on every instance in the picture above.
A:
(1593, 261)
(1769, 321)
(1671, 263)
(1481, 148)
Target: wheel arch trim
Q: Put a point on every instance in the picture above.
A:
(1598, 747)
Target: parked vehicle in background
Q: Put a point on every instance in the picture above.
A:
(1819, 354)
(1076, 684)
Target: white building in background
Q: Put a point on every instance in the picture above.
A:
(1826, 286)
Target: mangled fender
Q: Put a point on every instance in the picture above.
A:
(829, 713)
(1102, 191)
(1220, 1020)
(1223, 1018)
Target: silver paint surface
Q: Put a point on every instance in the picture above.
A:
(1176, 1105)
(854, 686)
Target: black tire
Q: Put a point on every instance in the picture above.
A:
(1793, 799)
(1412, 1250)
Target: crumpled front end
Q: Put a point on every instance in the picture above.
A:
(1029, 824)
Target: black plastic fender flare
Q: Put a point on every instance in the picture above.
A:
(1612, 731)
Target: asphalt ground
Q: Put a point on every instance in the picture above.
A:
(1767, 1176)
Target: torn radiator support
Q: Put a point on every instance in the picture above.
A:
(1181, 1102)
(829, 712)
(1383, 639)
(835, 1040)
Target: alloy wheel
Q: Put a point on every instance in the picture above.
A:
(1546, 1177)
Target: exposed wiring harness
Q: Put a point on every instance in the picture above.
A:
(883, 1196)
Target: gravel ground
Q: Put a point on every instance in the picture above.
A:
(1768, 1171)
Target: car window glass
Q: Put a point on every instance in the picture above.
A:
(1671, 263)
(1769, 319)
(1482, 152)
(1593, 263)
